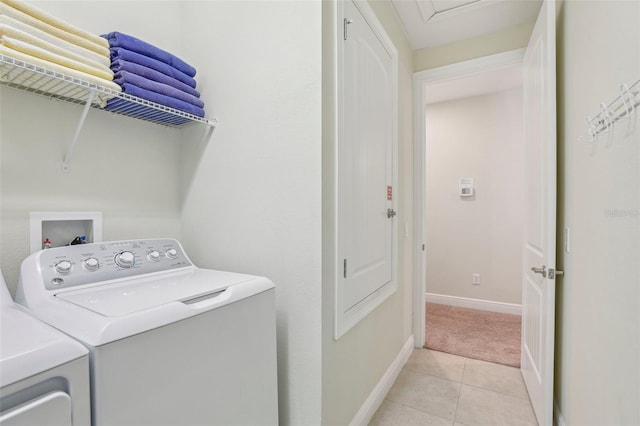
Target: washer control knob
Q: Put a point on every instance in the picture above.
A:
(91, 264)
(63, 267)
(154, 256)
(125, 259)
(171, 253)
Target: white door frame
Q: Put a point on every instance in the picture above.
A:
(345, 320)
(421, 80)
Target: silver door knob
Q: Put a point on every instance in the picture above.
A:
(391, 213)
(542, 271)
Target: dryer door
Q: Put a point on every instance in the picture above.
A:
(52, 409)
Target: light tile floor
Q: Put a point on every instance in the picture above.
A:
(435, 388)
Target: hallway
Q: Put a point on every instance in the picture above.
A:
(436, 388)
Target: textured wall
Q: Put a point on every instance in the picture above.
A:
(252, 194)
(481, 138)
(598, 305)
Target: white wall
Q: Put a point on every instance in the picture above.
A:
(464, 50)
(598, 309)
(252, 195)
(354, 364)
(125, 168)
(482, 138)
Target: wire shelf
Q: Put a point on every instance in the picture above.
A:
(36, 79)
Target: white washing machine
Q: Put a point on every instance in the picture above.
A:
(170, 343)
(44, 374)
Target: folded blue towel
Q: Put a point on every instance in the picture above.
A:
(117, 39)
(120, 65)
(136, 58)
(123, 77)
(161, 99)
(144, 112)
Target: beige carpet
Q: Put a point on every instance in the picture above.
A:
(488, 336)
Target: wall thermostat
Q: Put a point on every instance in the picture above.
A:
(466, 187)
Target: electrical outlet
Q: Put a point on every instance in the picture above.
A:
(475, 279)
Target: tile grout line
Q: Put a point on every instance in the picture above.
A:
(427, 374)
(455, 412)
(403, 405)
(524, 398)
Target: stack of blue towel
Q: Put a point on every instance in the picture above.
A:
(150, 73)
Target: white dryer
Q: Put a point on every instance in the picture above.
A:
(170, 343)
(44, 374)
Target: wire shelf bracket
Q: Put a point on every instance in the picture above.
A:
(74, 140)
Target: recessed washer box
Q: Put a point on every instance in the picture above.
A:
(62, 227)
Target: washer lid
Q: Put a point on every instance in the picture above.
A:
(29, 346)
(128, 296)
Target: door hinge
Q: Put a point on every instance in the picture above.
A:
(345, 23)
(423, 247)
(344, 269)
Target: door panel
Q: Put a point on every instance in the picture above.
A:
(538, 288)
(365, 161)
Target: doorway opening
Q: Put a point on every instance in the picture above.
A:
(471, 193)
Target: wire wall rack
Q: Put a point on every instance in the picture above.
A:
(28, 77)
(624, 106)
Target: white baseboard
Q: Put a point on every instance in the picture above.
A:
(558, 420)
(377, 395)
(465, 302)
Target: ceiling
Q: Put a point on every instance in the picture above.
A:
(431, 23)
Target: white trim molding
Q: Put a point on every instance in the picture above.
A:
(470, 67)
(379, 392)
(466, 302)
(346, 317)
(429, 13)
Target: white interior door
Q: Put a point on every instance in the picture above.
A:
(538, 291)
(365, 163)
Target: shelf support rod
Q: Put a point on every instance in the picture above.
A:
(206, 133)
(74, 141)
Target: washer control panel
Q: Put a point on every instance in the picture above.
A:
(72, 266)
